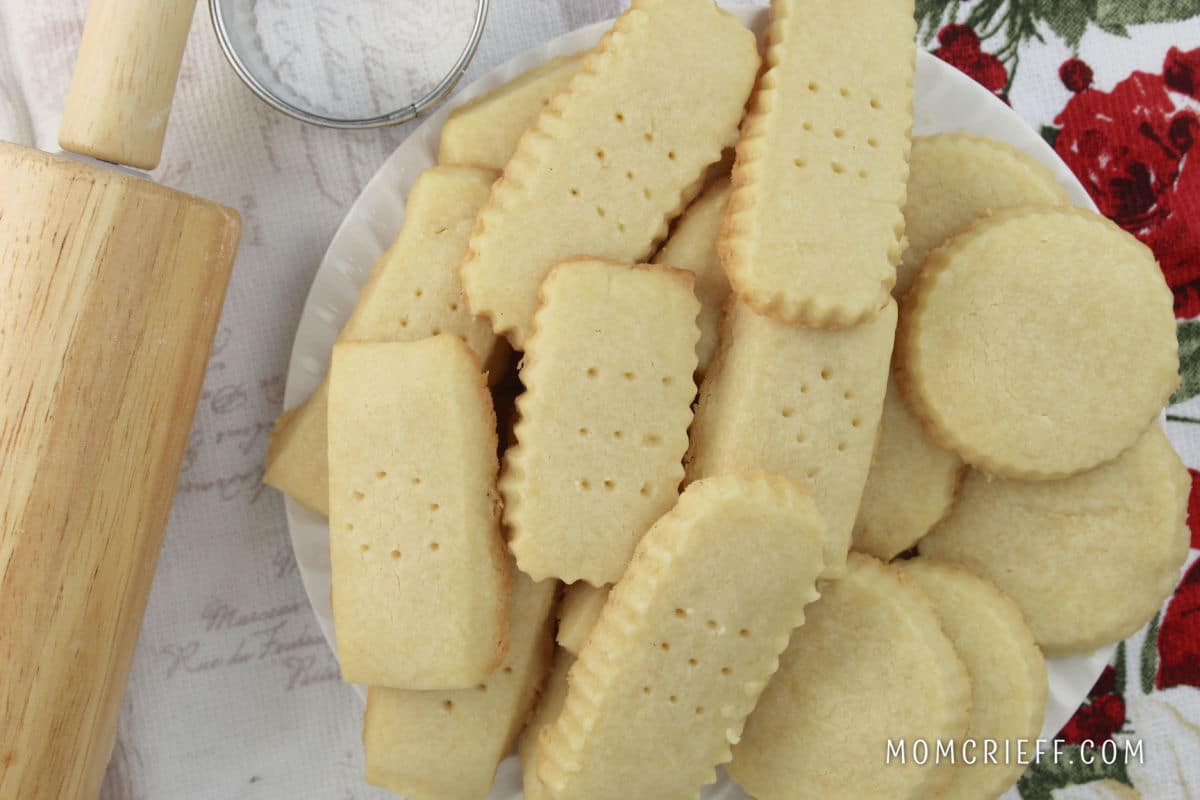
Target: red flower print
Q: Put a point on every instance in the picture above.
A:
(1075, 74)
(1181, 71)
(960, 48)
(1097, 721)
(1130, 149)
(1194, 509)
(1179, 635)
(1105, 684)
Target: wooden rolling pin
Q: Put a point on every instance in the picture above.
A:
(110, 288)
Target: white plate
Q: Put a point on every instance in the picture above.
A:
(945, 100)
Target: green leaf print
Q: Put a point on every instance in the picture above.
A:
(1149, 659)
(1189, 361)
(1117, 14)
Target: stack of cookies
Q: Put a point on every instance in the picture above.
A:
(745, 401)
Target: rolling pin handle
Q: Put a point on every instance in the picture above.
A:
(124, 81)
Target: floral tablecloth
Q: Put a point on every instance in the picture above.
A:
(234, 694)
(1114, 87)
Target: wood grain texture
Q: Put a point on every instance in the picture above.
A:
(124, 80)
(110, 289)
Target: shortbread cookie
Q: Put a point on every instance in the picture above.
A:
(796, 402)
(420, 579)
(413, 292)
(604, 418)
(693, 246)
(297, 462)
(814, 228)
(446, 745)
(1054, 547)
(614, 158)
(953, 180)
(870, 665)
(485, 131)
(577, 614)
(549, 706)
(686, 643)
(910, 487)
(1038, 343)
(1006, 668)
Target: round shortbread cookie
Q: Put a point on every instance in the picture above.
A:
(910, 487)
(870, 664)
(954, 179)
(1055, 547)
(1006, 668)
(1038, 343)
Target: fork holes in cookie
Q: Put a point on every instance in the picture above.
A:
(600, 155)
(619, 117)
(744, 633)
(508, 670)
(652, 439)
(454, 306)
(666, 647)
(617, 434)
(574, 192)
(645, 490)
(711, 625)
(813, 472)
(609, 485)
(813, 87)
(847, 395)
(799, 162)
(862, 173)
(787, 411)
(629, 376)
(364, 547)
(592, 372)
(872, 141)
(646, 690)
(600, 211)
(673, 699)
(842, 447)
(800, 437)
(646, 193)
(679, 612)
(396, 555)
(434, 331)
(693, 662)
(844, 92)
(359, 496)
(349, 526)
(826, 373)
(671, 155)
(404, 322)
(856, 422)
(667, 380)
(837, 168)
(583, 431)
(726, 671)
(838, 133)
(875, 104)
(808, 126)
(434, 547)
(381, 474)
(699, 710)
(648, 136)
(629, 175)
(434, 506)
(585, 484)
(448, 705)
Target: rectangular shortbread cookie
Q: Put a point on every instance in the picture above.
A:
(485, 131)
(615, 157)
(603, 421)
(814, 228)
(413, 292)
(577, 614)
(686, 643)
(693, 246)
(420, 579)
(446, 745)
(800, 403)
